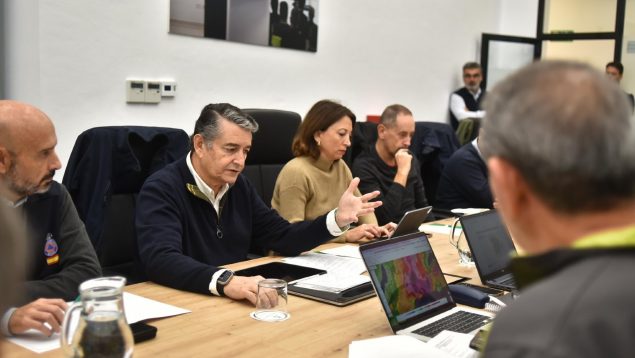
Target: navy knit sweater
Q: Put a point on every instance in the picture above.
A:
(177, 230)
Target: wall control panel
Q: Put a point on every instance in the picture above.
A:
(149, 91)
(135, 91)
(168, 88)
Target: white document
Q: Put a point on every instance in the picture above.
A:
(140, 308)
(469, 211)
(344, 250)
(330, 263)
(332, 282)
(443, 229)
(137, 309)
(455, 344)
(396, 346)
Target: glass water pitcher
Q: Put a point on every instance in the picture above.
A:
(101, 329)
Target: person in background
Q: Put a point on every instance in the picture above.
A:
(463, 182)
(199, 213)
(560, 148)
(13, 263)
(389, 167)
(310, 184)
(615, 70)
(466, 101)
(60, 255)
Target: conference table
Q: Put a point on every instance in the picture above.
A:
(220, 327)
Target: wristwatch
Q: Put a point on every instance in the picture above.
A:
(222, 281)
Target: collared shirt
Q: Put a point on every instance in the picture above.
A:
(608, 239)
(215, 200)
(460, 111)
(529, 269)
(475, 144)
(206, 189)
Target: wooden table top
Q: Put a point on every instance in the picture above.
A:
(221, 327)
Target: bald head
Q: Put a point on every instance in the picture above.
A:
(19, 122)
(27, 150)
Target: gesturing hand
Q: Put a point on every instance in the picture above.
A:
(351, 207)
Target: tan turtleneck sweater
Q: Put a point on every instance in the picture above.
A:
(307, 188)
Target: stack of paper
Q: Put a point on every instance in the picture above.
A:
(343, 272)
(331, 263)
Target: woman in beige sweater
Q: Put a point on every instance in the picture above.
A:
(310, 184)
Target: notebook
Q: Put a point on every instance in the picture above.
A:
(491, 247)
(412, 289)
(410, 222)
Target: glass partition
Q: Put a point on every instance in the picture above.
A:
(506, 57)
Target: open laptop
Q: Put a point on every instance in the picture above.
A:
(410, 222)
(491, 247)
(413, 292)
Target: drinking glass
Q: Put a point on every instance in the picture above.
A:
(271, 303)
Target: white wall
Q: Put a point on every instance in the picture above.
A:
(371, 53)
(518, 18)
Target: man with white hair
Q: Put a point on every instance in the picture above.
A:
(560, 148)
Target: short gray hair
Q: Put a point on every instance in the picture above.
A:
(472, 66)
(390, 113)
(567, 129)
(208, 123)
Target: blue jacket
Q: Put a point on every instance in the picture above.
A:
(116, 160)
(464, 181)
(177, 229)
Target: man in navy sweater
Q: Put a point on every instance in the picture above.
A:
(200, 213)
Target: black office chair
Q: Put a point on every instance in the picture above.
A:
(364, 135)
(106, 170)
(270, 148)
(270, 151)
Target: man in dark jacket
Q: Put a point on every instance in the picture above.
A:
(463, 183)
(200, 213)
(560, 148)
(60, 253)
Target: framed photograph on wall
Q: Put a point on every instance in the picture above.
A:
(289, 24)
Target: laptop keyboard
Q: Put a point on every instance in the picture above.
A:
(507, 282)
(461, 321)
